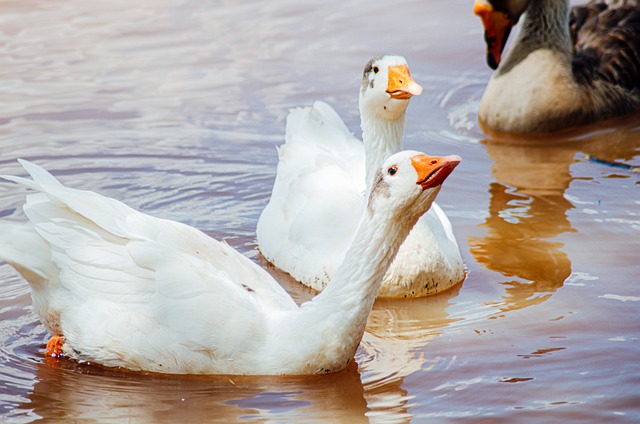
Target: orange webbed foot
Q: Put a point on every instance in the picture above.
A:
(54, 346)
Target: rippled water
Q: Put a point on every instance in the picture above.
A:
(175, 107)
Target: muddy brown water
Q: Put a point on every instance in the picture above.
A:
(175, 107)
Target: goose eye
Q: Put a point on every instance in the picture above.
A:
(376, 69)
(392, 170)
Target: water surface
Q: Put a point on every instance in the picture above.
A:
(175, 107)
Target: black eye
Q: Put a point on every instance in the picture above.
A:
(392, 170)
(376, 69)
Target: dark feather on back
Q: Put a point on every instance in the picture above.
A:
(606, 43)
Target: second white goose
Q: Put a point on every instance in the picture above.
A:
(322, 178)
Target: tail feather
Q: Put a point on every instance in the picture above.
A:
(41, 178)
(39, 174)
(21, 180)
(319, 124)
(105, 212)
(22, 247)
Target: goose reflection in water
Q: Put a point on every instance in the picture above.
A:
(394, 346)
(528, 210)
(68, 392)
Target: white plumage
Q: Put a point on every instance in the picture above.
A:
(125, 289)
(321, 184)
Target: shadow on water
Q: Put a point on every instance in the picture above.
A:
(528, 208)
(70, 392)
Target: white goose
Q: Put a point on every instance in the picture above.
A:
(123, 289)
(566, 68)
(319, 192)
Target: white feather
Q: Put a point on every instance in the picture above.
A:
(319, 194)
(129, 290)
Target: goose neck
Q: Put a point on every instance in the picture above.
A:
(340, 312)
(381, 139)
(545, 25)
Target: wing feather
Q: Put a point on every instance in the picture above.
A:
(316, 199)
(125, 271)
(606, 37)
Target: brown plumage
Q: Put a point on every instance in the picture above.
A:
(567, 67)
(606, 43)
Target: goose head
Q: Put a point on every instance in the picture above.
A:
(498, 17)
(409, 181)
(387, 87)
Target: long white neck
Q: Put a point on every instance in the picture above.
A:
(545, 25)
(381, 139)
(357, 279)
(332, 323)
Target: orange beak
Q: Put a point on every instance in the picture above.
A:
(401, 85)
(497, 27)
(433, 170)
